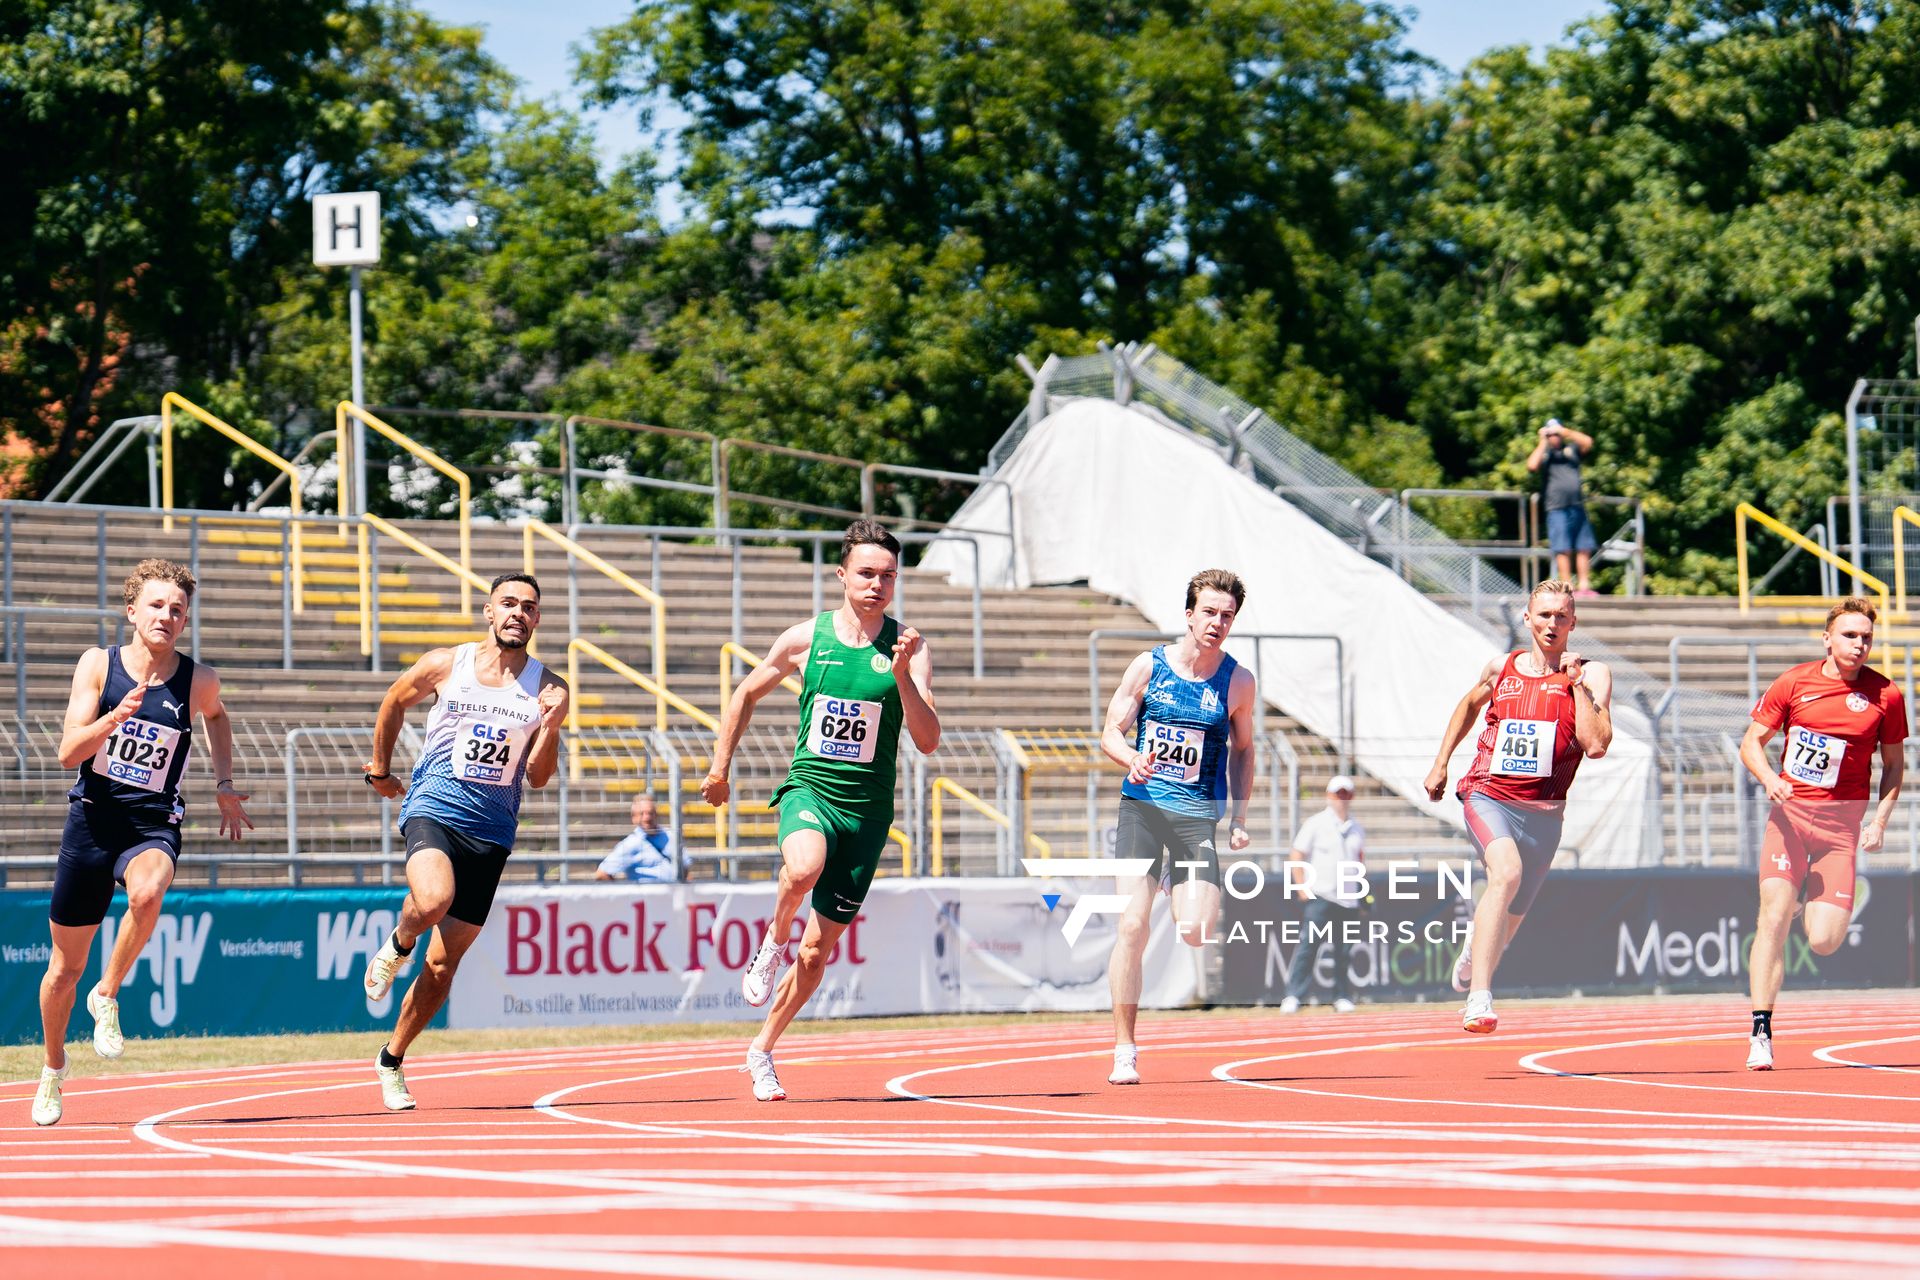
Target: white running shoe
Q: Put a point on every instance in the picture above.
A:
(1479, 1017)
(1126, 1065)
(766, 1085)
(1343, 1005)
(47, 1107)
(1463, 963)
(393, 1086)
(107, 1040)
(385, 965)
(1760, 1053)
(756, 984)
(1290, 1005)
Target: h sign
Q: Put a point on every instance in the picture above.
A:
(346, 229)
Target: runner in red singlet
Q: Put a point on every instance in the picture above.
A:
(1835, 715)
(1546, 707)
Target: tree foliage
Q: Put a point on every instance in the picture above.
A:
(1686, 228)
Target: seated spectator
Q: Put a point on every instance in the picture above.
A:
(646, 856)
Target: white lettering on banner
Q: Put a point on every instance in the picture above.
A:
(662, 953)
(1712, 954)
(173, 958)
(345, 941)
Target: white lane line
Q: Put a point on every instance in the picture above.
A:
(447, 1249)
(1832, 1054)
(1751, 1088)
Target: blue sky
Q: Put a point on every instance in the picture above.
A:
(532, 40)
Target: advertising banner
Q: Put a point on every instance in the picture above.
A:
(1591, 932)
(674, 953)
(220, 962)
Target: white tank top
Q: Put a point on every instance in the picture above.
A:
(469, 773)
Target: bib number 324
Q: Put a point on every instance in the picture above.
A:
(484, 754)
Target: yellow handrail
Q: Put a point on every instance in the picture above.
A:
(466, 576)
(1747, 511)
(947, 786)
(899, 837)
(1908, 514)
(348, 409)
(729, 651)
(646, 593)
(577, 646)
(296, 561)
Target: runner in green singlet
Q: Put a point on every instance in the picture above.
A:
(864, 676)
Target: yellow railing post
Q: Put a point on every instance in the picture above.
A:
(728, 652)
(653, 598)
(1910, 516)
(167, 403)
(948, 786)
(1746, 511)
(347, 408)
(467, 578)
(1740, 555)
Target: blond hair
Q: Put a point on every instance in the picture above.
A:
(157, 570)
(1852, 604)
(1550, 587)
(1216, 580)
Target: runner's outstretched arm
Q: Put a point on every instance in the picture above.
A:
(785, 658)
(1893, 772)
(1117, 738)
(913, 673)
(1459, 722)
(1593, 708)
(1240, 757)
(213, 714)
(415, 685)
(84, 732)
(543, 753)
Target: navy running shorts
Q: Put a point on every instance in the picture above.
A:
(97, 845)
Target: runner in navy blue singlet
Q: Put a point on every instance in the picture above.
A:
(129, 730)
(1181, 725)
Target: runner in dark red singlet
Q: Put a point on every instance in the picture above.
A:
(1546, 709)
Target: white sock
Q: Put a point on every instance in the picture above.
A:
(1124, 1050)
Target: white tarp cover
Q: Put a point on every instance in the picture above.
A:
(1109, 496)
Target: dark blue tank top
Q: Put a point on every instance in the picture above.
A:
(139, 765)
(1183, 724)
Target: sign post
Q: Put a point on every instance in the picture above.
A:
(346, 233)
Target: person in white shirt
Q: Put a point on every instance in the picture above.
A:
(648, 855)
(1326, 840)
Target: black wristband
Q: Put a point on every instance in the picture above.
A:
(378, 777)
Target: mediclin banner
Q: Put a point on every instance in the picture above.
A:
(220, 962)
(674, 953)
(1588, 932)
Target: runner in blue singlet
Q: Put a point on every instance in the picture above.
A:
(495, 726)
(1181, 724)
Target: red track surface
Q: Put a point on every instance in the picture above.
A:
(1379, 1143)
